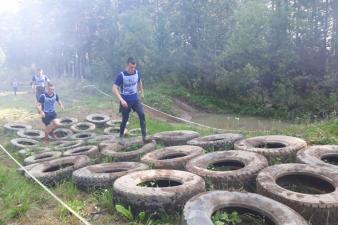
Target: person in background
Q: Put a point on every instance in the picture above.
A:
(15, 85)
(46, 109)
(129, 81)
(38, 83)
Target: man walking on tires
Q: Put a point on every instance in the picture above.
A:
(129, 81)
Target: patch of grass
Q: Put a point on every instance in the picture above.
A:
(77, 205)
(105, 199)
(67, 190)
(17, 195)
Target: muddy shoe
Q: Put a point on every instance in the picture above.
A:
(121, 141)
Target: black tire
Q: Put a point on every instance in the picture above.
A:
(240, 168)
(28, 168)
(83, 136)
(102, 176)
(114, 123)
(41, 157)
(173, 157)
(66, 121)
(65, 145)
(134, 132)
(61, 134)
(199, 209)
(57, 170)
(100, 138)
(159, 199)
(216, 141)
(320, 155)
(272, 146)
(30, 133)
(315, 200)
(98, 119)
(178, 137)
(118, 152)
(83, 127)
(17, 126)
(88, 150)
(114, 131)
(24, 143)
(24, 153)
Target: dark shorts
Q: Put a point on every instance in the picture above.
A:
(49, 117)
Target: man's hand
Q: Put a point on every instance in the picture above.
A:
(142, 97)
(42, 114)
(124, 103)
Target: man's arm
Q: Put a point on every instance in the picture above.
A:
(59, 102)
(33, 85)
(118, 95)
(141, 89)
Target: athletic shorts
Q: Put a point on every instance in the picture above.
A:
(49, 117)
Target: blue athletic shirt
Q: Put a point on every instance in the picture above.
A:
(40, 80)
(48, 102)
(128, 85)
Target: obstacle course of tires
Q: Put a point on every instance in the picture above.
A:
(183, 171)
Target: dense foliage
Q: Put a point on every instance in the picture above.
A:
(276, 54)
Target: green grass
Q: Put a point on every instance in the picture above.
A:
(17, 195)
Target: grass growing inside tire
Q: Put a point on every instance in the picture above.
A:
(159, 183)
(333, 159)
(132, 147)
(305, 184)
(239, 217)
(228, 165)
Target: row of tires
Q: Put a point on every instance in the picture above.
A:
(168, 190)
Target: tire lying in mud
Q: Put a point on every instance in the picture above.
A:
(216, 141)
(134, 132)
(157, 190)
(30, 133)
(272, 146)
(199, 209)
(102, 176)
(115, 123)
(83, 136)
(88, 150)
(173, 157)
(24, 153)
(228, 169)
(66, 121)
(130, 151)
(83, 127)
(310, 190)
(114, 131)
(65, 145)
(320, 155)
(56, 170)
(41, 157)
(21, 171)
(100, 138)
(178, 137)
(24, 143)
(61, 134)
(17, 126)
(98, 119)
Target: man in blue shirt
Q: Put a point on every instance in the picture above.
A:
(38, 83)
(46, 108)
(129, 81)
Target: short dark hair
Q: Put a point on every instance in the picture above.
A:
(131, 60)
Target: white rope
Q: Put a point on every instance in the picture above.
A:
(46, 189)
(171, 116)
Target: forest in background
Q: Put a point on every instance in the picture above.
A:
(267, 54)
